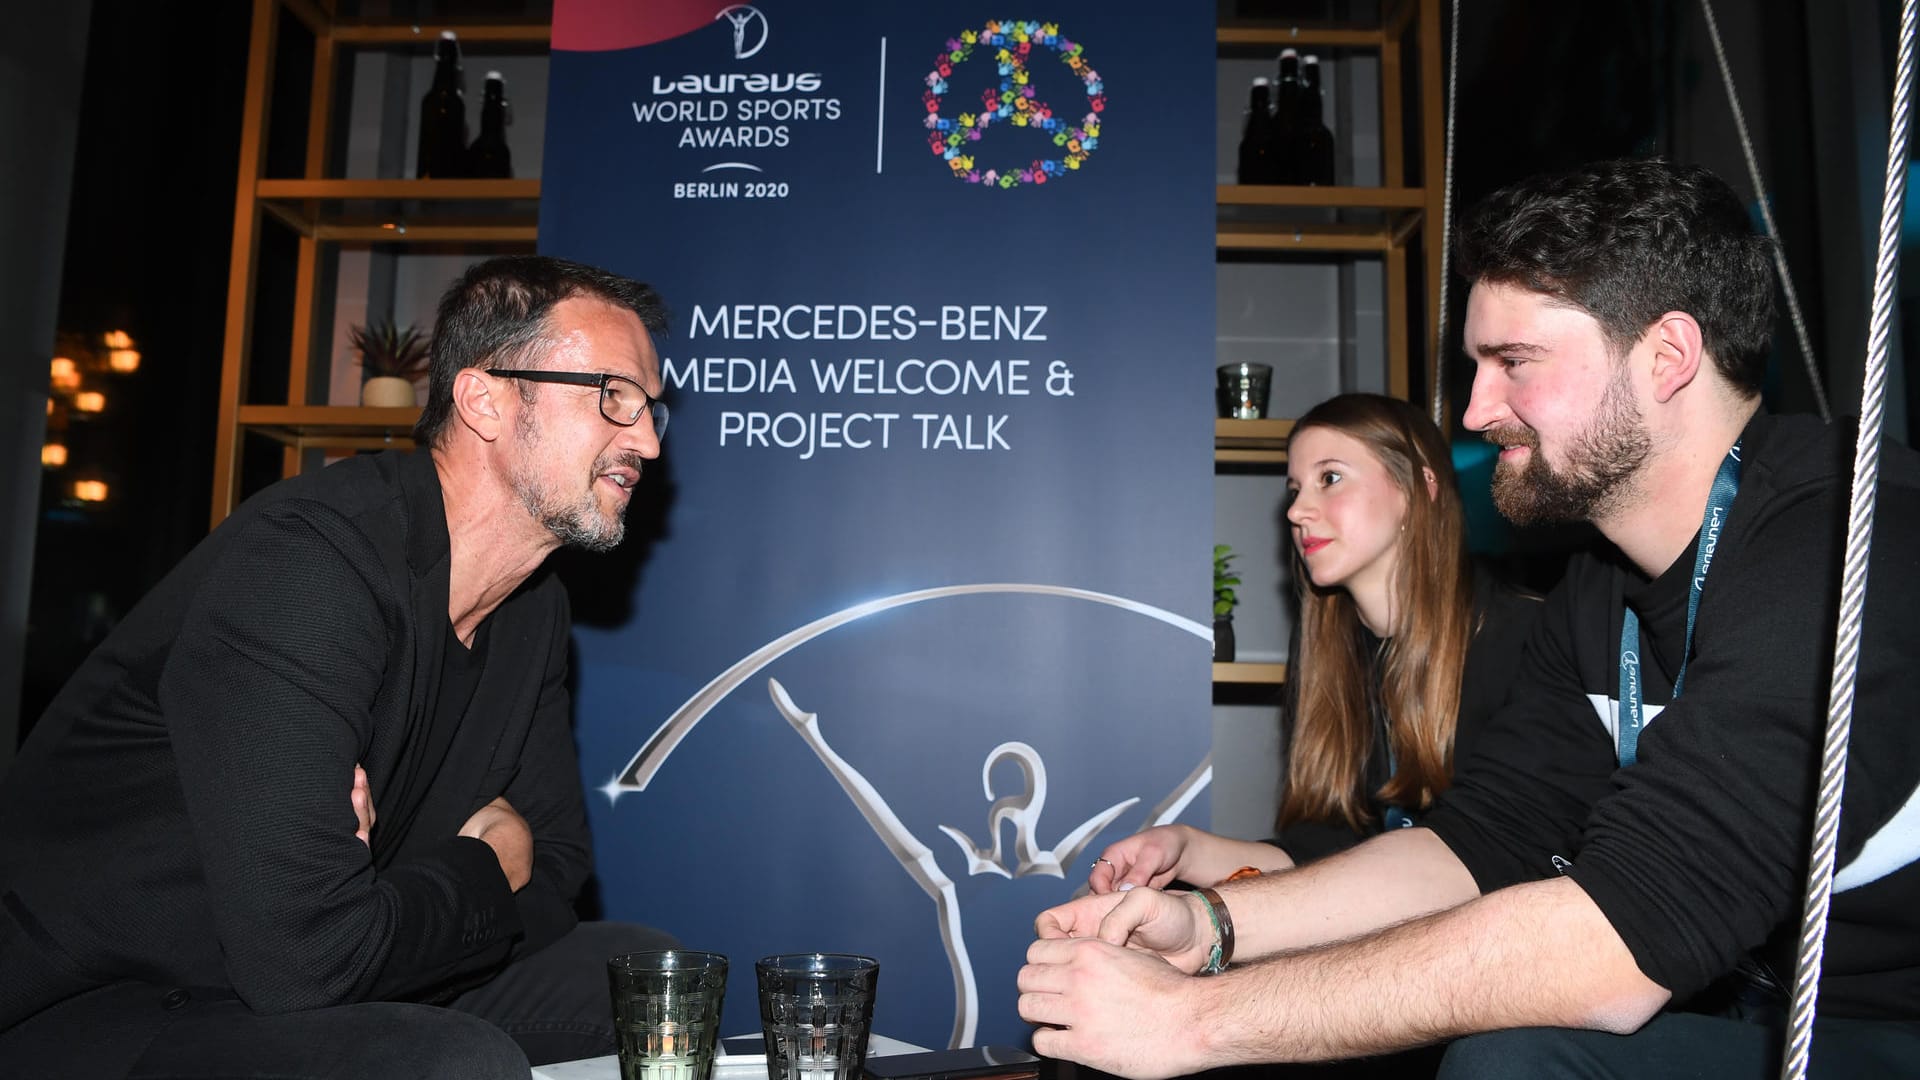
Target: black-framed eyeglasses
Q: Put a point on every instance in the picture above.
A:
(621, 399)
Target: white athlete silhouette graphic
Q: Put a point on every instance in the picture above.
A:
(1022, 809)
(917, 859)
(742, 16)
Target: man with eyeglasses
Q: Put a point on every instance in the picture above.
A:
(313, 809)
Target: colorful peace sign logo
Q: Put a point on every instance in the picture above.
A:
(1013, 44)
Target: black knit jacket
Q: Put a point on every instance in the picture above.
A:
(180, 815)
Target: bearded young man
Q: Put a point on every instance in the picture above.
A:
(313, 810)
(1610, 889)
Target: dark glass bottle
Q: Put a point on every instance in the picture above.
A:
(443, 117)
(1316, 139)
(1256, 139)
(1288, 105)
(488, 157)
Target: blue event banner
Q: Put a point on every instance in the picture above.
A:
(913, 618)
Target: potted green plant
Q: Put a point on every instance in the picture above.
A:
(393, 360)
(1224, 600)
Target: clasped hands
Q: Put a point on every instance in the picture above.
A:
(497, 824)
(1109, 981)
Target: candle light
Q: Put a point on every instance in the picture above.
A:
(666, 1068)
(820, 1060)
(666, 1008)
(668, 1056)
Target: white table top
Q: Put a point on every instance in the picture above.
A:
(608, 1068)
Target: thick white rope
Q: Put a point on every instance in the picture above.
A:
(1766, 215)
(1853, 587)
(1437, 360)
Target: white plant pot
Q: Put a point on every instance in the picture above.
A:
(387, 392)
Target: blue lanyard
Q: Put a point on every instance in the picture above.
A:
(1394, 817)
(1726, 484)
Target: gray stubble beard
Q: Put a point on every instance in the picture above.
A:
(575, 524)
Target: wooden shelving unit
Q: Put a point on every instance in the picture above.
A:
(1339, 221)
(1330, 198)
(340, 427)
(320, 210)
(1261, 442)
(530, 36)
(1403, 210)
(1250, 674)
(1268, 36)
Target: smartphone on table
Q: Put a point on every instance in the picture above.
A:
(972, 1063)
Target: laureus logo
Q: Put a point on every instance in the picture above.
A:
(1021, 808)
(749, 29)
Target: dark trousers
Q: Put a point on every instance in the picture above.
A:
(550, 1006)
(1675, 1045)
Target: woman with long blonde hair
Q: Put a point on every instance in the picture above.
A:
(1401, 651)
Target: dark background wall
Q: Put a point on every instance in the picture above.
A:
(41, 57)
(146, 248)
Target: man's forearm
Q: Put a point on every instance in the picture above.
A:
(1534, 955)
(1394, 877)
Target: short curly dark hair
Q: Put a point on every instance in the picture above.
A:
(497, 312)
(1627, 241)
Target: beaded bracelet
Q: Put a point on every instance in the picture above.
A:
(1222, 924)
(1222, 950)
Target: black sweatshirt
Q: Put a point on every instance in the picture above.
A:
(1502, 619)
(181, 814)
(1697, 853)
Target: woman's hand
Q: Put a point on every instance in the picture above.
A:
(1168, 852)
(1150, 858)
